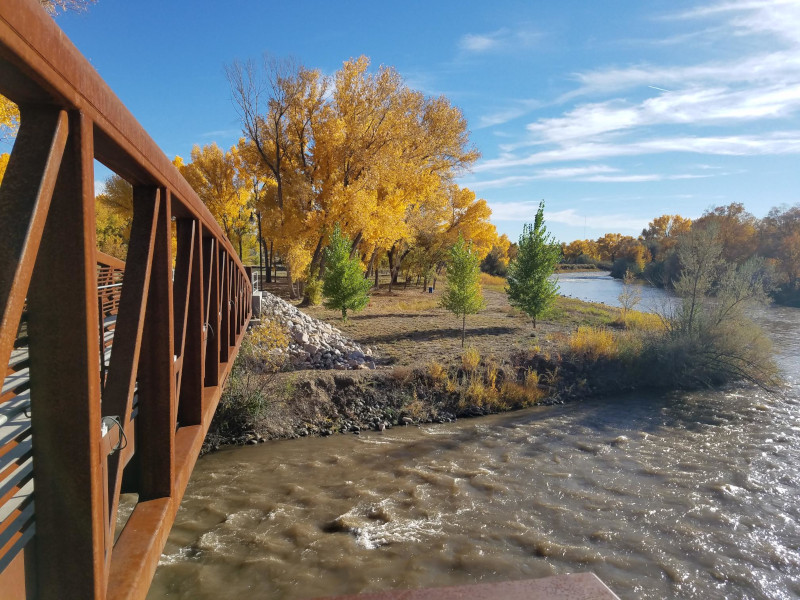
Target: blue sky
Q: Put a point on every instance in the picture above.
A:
(612, 112)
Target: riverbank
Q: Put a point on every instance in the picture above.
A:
(418, 372)
(423, 375)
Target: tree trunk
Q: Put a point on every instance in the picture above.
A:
(355, 244)
(317, 256)
(395, 263)
(463, 328)
(371, 264)
(292, 294)
(268, 261)
(390, 255)
(318, 265)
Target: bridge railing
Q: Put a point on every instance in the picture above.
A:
(118, 407)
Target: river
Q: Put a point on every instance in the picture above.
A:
(690, 495)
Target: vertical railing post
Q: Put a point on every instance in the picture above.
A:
(155, 434)
(211, 266)
(225, 306)
(190, 405)
(65, 384)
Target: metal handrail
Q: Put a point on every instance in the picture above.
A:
(166, 369)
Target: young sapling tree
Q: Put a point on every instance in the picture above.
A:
(463, 295)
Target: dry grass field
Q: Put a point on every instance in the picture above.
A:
(406, 327)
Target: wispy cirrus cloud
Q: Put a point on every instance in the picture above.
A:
(558, 173)
(505, 38)
(509, 113)
(775, 17)
(696, 106)
(785, 142)
(526, 211)
(221, 133)
(763, 68)
(762, 88)
(474, 42)
(590, 173)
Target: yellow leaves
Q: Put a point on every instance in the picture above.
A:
(9, 119)
(298, 258)
(214, 176)
(469, 217)
(578, 248)
(3, 164)
(113, 216)
(359, 149)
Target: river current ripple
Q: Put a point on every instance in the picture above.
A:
(662, 496)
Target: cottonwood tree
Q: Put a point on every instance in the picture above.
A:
(359, 148)
(113, 216)
(344, 286)
(463, 295)
(529, 287)
(215, 176)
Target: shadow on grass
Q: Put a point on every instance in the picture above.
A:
(415, 315)
(437, 334)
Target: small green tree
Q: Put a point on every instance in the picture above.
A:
(344, 285)
(463, 295)
(529, 287)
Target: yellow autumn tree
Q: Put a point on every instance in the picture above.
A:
(359, 149)
(215, 177)
(113, 216)
(662, 233)
(3, 164)
(578, 250)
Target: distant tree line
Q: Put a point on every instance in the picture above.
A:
(742, 236)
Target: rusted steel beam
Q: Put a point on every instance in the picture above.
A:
(24, 201)
(211, 263)
(14, 578)
(138, 548)
(186, 229)
(122, 371)
(157, 417)
(224, 307)
(110, 261)
(190, 403)
(65, 384)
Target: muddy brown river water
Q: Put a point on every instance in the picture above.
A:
(672, 496)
